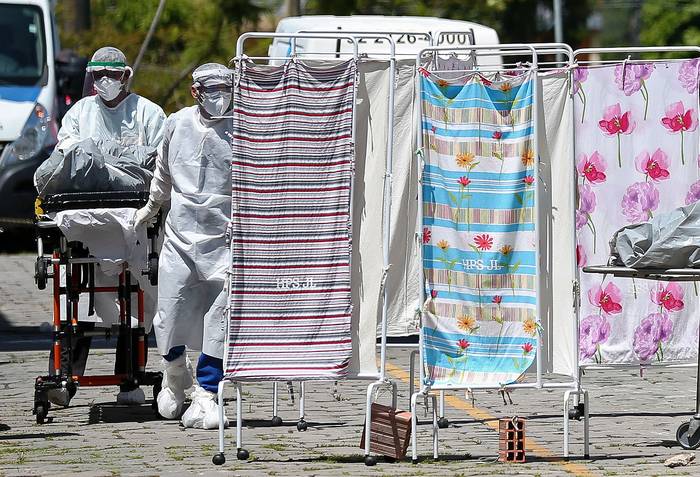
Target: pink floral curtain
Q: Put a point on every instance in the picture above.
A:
(636, 157)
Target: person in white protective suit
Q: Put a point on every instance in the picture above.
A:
(193, 171)
(112, 113)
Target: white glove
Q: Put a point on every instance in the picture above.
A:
(146, 213)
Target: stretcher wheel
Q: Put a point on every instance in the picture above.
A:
(370, 460)
(41, 409)
(302, 426)
(242, 454)
(276, 421)
(686, 441)
(218, 459)
(156, 391)
(153, 270)
(40, 273)
(443, 423)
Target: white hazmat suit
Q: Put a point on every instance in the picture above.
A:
(193, 172)
(134, 121)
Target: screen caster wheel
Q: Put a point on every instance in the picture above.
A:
(686, 441)
(218, 459)
(443, 423)
(276, 421)
(370, 460)
(302, 426)
(576, 413)
(242, 454)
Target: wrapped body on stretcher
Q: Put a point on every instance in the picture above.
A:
(667, 241)
(666, 248)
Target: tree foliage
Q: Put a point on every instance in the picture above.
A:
(190, 32)
(670, 22)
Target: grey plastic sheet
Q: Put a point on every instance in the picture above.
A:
(96, 166)
(670, 240)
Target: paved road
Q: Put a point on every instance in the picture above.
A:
(633, 420)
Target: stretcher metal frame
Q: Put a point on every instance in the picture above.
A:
(572, 388)
(629, 273)
(380, 381)
(688, 433)
(79, 269)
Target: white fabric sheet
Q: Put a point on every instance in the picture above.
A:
(556, 209)
(370, 166)
(109, 236)
(403, 279)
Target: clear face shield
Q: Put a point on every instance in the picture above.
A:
(105, 78)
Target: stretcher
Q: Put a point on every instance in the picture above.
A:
(688, 433)
(59, 257)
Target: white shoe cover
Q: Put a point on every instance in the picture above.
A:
(203, 413)
(177, 377)
(131, 398)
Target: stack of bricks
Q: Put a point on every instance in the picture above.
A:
(511, 440)
(391, 431)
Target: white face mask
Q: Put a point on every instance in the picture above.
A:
(108, 88)
(216, 104)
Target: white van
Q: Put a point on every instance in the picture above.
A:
(35, 89)
(411, 34)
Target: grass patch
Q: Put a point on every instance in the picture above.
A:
(10, 449)
(208, 448)
(339, 459)
(275, 447)
(331, 445)
(175, 453)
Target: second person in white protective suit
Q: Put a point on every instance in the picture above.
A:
(193, 172)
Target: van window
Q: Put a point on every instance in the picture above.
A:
(22, 44)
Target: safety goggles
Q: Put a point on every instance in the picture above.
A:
(213, 89)
(117, 75)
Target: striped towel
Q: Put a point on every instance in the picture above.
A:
(479, 243)
(290, 240)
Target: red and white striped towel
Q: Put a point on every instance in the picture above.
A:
(292, 174)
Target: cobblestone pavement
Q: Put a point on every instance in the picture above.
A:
(633, 420)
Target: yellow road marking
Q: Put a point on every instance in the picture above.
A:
(492, 422)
